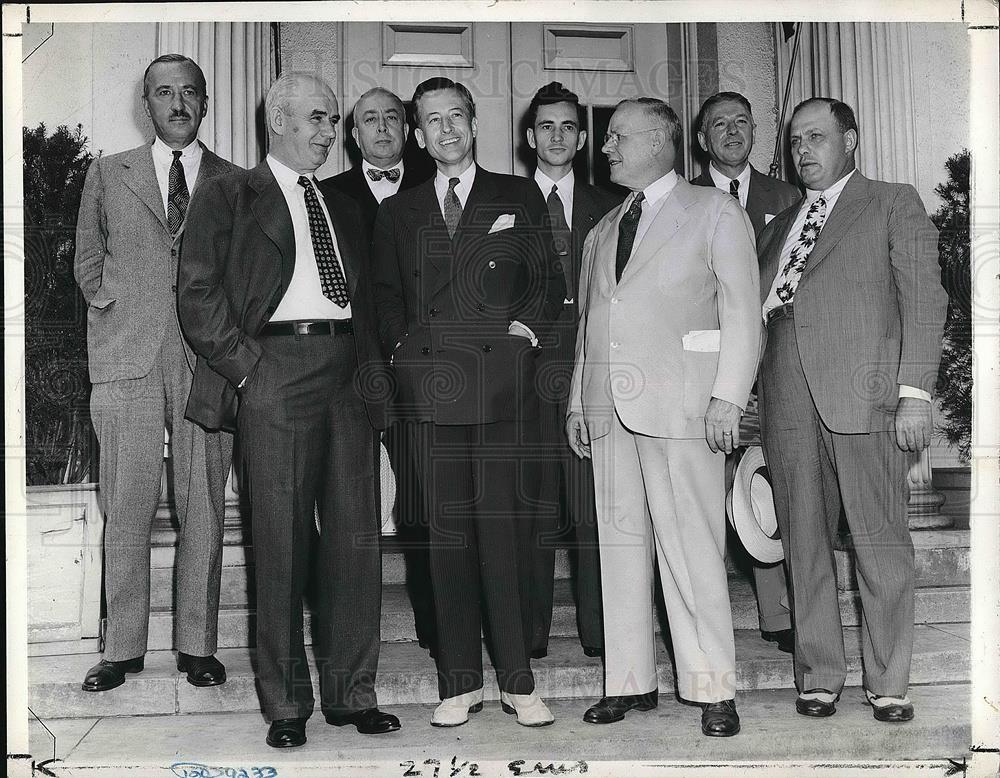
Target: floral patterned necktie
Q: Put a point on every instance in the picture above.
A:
(792, 272)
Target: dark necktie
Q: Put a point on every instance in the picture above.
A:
(452, 208)
(391, 175)
(331, 277)
(626, 234)
(562, 238)
(734, 188)
(804, 244)
(177, 195)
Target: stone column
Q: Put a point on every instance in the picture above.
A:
(238, 62)
(924, 511)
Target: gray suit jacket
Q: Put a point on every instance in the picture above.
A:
(126, 262)
(869, 308)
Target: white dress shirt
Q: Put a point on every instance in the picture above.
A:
(304, 298)
(462, 189)
(721, 181)
(564, 191)
(655, 195)
(163, 158)
(382, 188)
(832, 194)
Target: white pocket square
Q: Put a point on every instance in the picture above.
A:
(768, 217)
(504, 222)
(701, 340)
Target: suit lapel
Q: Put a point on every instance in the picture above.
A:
(672, 215)
(271, 212)
(585, 216)
(211, 166)
(770, 252)
(140, 177)
(852, 201)
(345, 242)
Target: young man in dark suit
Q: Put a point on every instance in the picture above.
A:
(132, 219)
(555, 130)
(275, 296)
(465, 285)
(725, 133)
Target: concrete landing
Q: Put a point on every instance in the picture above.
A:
(772, 732)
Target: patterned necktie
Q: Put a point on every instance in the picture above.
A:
(734, 188)
(331, 277)
(792, 272)
(561, 236)
(391, 175)
(626, 234)
(452, 208)
(177, 195)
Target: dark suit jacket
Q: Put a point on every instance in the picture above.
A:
(353, 184)
(869, 308)
(767, 196)
(237, 262)
(449, 303)
(126, 261)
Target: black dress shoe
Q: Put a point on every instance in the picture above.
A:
(201, 670)
(539, 653)
(719, 719)
(816, 708)
(108, 675)
(286, 733)
(370, 721)
(785, 638)
(611, 709)
(593, 651)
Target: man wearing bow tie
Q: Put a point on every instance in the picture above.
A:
(465, 283)
(132, 217)
(275, 296)
(854, 306)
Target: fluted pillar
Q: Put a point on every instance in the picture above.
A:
(867, 65)
(238, 62)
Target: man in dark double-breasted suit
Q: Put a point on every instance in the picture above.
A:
(556, 133)
(464, 284)
(274, 294)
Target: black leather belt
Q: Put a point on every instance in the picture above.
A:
(324, 327)
(781, 312)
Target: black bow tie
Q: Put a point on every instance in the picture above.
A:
(392, 174)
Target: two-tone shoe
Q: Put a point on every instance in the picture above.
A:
(454, 711)
(530, 710)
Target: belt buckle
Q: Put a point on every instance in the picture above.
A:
(301, 327)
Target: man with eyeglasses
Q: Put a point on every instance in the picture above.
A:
(274, 294)
(665, 358)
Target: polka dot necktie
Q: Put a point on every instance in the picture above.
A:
(177, 194)
(331, 277)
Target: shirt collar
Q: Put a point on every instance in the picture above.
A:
(286, 177)
(366, 166)
(833, 190)
(465, 178)
(660, 188)
(721, 180)
(565, 184)
(163, 152)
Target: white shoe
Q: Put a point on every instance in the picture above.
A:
(530, 710)
(454, 711)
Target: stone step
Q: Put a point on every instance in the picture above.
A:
(407, 675)
(941, 558)
(138, 746)
(932, 606)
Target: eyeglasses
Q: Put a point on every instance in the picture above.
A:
(616, 137)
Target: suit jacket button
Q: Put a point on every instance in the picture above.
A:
(174, 289)
(487, 348)
(425, 350)
(492, 264)
(173, 252)
(480, 307)
(434, 311)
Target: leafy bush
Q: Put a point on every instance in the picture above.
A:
(58, 439)
(954, 386)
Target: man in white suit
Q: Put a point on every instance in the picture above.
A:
(665, 358)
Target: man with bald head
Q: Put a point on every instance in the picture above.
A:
(129, 232)
(665, 357)
(274, 296)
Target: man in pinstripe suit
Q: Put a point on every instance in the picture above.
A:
(854, 308)
(132, 216)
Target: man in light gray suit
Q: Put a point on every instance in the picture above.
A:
(129, 230)
(852, 297)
